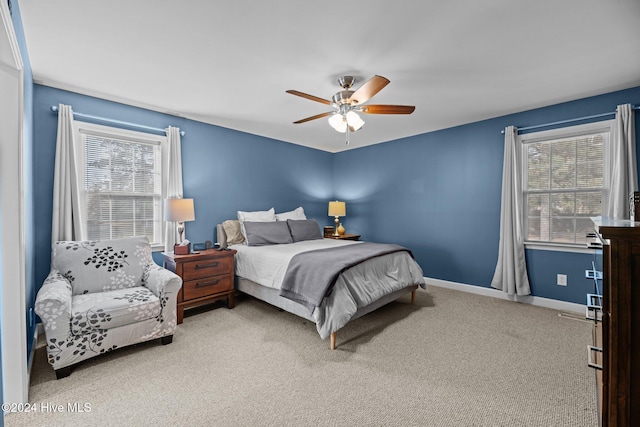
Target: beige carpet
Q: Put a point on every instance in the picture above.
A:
(453, 359)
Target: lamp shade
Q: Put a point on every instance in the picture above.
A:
(337, 208)
(354, 121)
(338, 122)
(179, 210)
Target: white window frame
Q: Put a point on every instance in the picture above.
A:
(559, 133)
(86, 128)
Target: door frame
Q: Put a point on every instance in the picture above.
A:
(13, 346)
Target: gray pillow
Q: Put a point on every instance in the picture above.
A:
(267, 233)
(304, 229)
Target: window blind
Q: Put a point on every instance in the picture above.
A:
(564, 187)
(122, 188)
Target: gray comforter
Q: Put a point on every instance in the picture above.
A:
(311, 275)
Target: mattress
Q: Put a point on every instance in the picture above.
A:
(361, 286)
(267, 265)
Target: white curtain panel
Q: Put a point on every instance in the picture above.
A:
(67, 221)
(511, 271)
(173, 184)
(623, 167)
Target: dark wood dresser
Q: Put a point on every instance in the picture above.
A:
(207, 276)
(620, 326)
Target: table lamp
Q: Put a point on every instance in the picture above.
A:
(336, 210)
(179, 210)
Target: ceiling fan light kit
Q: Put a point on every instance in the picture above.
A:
(347, 103)
(351, 119)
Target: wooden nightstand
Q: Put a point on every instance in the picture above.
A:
(207, 277)
(345, 237)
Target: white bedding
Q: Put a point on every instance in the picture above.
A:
(266, 265)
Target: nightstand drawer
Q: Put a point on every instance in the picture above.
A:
(207, 276)
(206, 268)
(207, 286)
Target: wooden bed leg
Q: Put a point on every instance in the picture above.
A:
(333, 340)
(413, 296)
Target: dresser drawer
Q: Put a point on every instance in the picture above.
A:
(207, 286)
(206, 268)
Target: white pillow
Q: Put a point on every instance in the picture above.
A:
(296, 214)
(255, 216)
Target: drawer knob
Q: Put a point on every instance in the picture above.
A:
(207, 283)
(212, 265)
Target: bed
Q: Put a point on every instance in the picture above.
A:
(269, 271)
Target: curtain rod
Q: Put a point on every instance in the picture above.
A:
(578, 119)
(54, 108)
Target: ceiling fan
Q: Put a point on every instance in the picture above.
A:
(347, 103)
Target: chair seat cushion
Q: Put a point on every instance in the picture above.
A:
(106, 310)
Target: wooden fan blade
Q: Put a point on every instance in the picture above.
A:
(311, 97)
(388, 109)
(365, 92)
(317, 116)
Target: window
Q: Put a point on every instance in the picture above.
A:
(120, 182)
(564, 182)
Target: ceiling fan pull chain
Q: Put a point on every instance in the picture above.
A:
(347, 134)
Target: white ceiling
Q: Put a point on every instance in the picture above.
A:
(229, 63)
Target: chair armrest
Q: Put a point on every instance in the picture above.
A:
(53, 305)
(161, 280)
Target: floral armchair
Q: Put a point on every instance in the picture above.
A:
(103, 295)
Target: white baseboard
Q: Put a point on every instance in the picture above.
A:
(38, 330)
(495, 293)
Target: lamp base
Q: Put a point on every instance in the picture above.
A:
(181, 231)
(335, 228)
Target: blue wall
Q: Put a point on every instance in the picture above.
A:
(223, 170)
(439, 194)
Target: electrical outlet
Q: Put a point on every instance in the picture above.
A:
(562, 280)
